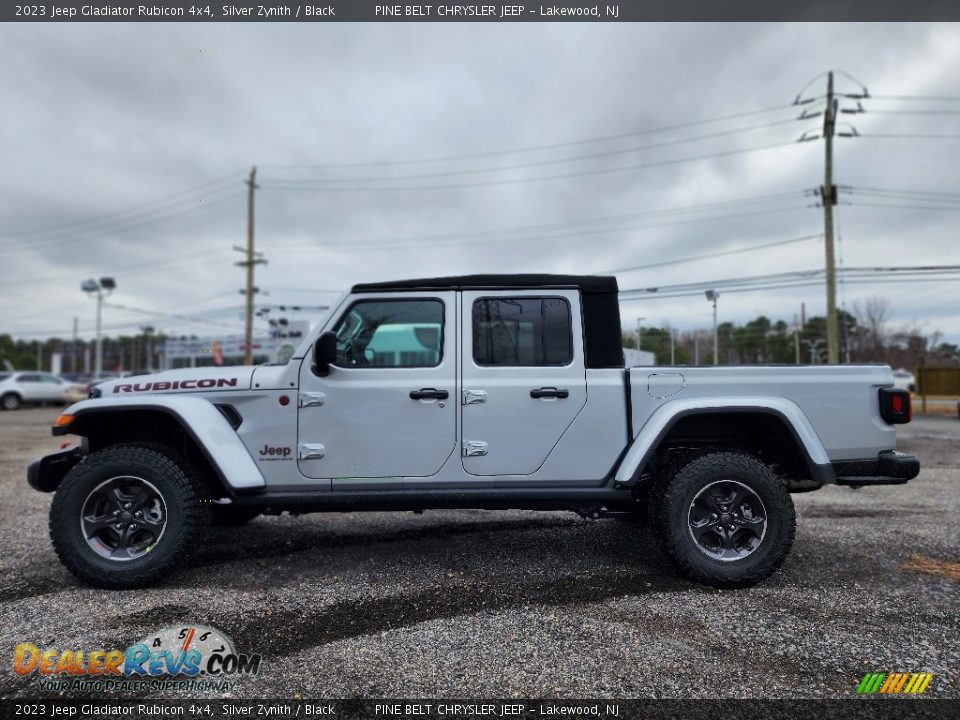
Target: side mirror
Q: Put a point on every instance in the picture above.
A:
(324, 352)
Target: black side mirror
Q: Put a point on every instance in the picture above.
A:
(324, 352)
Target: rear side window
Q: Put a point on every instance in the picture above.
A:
(391, 333)
(522, 331)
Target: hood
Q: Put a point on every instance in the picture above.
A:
(206, 379)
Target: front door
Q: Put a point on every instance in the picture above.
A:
(524, 380)
(387, 407)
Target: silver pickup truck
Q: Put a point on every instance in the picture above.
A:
(490, 391)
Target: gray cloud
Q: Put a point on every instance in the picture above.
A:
(98, 119)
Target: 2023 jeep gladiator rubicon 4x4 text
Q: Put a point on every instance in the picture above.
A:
(496, 391)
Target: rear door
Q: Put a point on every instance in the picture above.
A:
(523, 377)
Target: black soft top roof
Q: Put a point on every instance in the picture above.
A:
(600, 303)
(585, 283)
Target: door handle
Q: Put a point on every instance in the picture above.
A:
(429, 394)
(549, 392)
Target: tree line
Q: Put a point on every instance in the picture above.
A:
(866, 336)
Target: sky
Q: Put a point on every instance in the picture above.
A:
(387, 151)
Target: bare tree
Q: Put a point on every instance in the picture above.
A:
(872, 316)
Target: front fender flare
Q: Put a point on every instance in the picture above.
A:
(668, 414)
(198, 417)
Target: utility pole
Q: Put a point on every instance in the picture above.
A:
(73, 348)
(712, 296)
(673, 348)
(252, 258)
(796, 339)
(828, 194)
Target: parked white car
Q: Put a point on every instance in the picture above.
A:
(904, 379)
(19, 388)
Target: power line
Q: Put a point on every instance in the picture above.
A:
(903, 207)
(914, 136)
(693, 258)
(912, 112)
(135, 210)
(560, 176)
(538, 163)
(66, 238)
(572, 224)
(799, 276)
(937, 98)
(127, 270)
(537, 148)
(174, 316)
(858, 189)
(530, 238)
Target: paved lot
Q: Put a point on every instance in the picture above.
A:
(465, 603)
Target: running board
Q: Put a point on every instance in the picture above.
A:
(417, 499)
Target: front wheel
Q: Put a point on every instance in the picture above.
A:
(10, 401)
(726, 519)
(127, 515)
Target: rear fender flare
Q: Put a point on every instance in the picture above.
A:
(657, 428)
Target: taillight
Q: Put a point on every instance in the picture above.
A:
(895, 405)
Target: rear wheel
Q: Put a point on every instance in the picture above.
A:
(127, 515)
(725, 519)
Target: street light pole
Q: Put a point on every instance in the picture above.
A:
(712, 296)
(94, 287)
(98, 358)
(639, 332)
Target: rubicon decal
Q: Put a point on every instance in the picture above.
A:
(177, 654)
(894, 683)
(204, 384)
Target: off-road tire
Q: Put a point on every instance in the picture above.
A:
(187, 514)
(230, 516)
(10, 401)
(674, 500)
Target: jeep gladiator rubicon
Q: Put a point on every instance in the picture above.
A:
(490, 391)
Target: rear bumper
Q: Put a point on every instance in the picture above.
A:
(889, 468)
(46, 473)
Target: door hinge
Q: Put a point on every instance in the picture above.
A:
(311, 451)
(473, 448)
(309, 399)
(474, 396)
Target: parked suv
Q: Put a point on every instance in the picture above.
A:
(18, 388)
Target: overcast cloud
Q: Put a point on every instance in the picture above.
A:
(104, 128)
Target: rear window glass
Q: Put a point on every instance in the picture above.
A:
(522, 331)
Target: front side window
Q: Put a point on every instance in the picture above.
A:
(522, 331)
(391, 333)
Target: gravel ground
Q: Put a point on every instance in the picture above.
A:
(521, 604)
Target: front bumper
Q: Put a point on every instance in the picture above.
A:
(46, 473)
(890, 468)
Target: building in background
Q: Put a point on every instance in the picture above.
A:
(276, 347)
